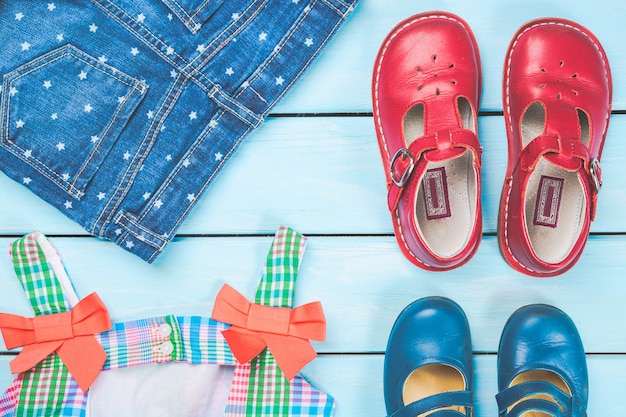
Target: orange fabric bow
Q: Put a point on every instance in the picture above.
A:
(284, 331)
(69, 334)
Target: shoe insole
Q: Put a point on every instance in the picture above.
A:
(554, 207)
(445, 206)
(541, 376)
(432, 379)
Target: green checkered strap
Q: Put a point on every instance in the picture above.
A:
(278, 282)
(40, 271)
(45, 389)
(259, 387)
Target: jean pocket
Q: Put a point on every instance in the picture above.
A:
(193, 13)
(61, 113)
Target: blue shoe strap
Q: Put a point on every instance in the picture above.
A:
(537, 404)
(513, 394)
(445, 399)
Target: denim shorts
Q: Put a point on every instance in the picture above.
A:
(120, 112)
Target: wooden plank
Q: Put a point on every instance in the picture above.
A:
(363, 283)
(345, 67)
(330, 170)
(356, 383)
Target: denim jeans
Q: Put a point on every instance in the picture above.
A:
(120, 112)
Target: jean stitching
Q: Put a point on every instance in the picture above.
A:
(263, 66)
(146, 142)
(196, 145)
(306, 64)
(127, 221)
(332, 6)
(154, 43)
(70, 50)
(47, 60)
(183, 215)
(202, 6)
(180, 11)
(36, 165)
(238, 26)
(165, 186)
(224, 99)
(188, 18)
(113, 121)
(208, 181)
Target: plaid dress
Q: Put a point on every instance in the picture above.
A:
(258, 388)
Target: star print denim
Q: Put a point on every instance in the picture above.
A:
(120, 112)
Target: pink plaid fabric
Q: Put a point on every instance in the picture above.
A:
(8, 401)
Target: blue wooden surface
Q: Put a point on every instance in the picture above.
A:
(330, 168)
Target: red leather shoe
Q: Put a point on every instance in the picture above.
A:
(557, 103)
(425, 89)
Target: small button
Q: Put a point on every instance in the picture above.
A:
(166, 348)
(165, 330)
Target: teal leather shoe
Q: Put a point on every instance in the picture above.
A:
(542, 370)
(428, 362)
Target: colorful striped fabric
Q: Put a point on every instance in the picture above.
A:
(259, 389)
(203, 342)
(193, 339)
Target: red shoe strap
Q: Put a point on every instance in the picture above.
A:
(569, 154)
(443, 145)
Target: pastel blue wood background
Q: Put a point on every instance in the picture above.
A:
(323, 156)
